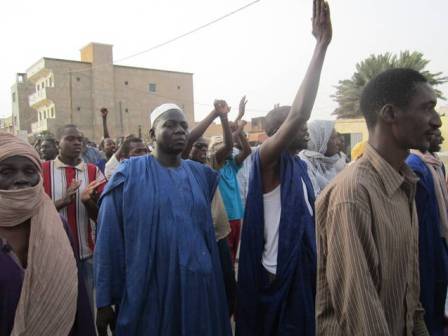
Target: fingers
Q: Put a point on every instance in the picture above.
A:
(319, 9)
(314, 10)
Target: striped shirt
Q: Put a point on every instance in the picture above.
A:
(57, 178)
(367, 241)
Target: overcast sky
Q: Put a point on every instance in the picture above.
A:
(262, 51)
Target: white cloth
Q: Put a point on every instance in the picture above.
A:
(159, 110)
(272, 209)
(341, 163)
(111, 166)
(321, 168)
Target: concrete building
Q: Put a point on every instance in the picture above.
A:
(73, 92)
(6, 125)
(22, 113)
(355, 130)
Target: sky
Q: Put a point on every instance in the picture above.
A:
(261, 52)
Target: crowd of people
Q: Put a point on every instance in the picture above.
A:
(197, 236)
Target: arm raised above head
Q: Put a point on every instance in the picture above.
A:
(302, 105)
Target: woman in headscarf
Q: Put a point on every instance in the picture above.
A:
(321, 155)
(40, 293)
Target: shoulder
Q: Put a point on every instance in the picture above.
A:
(351, 186)
(201, 168)
(416, 163)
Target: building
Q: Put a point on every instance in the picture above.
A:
(73, 92)
(22, 113)
(355, 130)
(6, 125)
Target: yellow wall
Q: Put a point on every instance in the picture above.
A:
(350, 126)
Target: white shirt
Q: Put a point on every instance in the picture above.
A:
(111, 166)
(272, 209)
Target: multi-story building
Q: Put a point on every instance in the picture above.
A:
(73, 92)
(22, 113)
(6, 125)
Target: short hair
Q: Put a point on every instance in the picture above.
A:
(393, 86)
(275, 118)
(50, 139)
(61, 130)
(126, 146)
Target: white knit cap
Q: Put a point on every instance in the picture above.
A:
(159, 110)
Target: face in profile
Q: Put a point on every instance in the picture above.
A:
(18, 172)
(418, 122)
(48, 150)
(333, 144)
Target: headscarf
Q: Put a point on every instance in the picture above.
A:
(47, 304)
(358, 150)
(321, 168)
(435, 165)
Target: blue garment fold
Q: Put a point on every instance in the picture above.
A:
(433, 253)
(285, 307)
(156, 254)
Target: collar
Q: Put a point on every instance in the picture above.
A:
(392, 180)
(59, 164)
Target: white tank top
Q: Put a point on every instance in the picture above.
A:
(272, 213)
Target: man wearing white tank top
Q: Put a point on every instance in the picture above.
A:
(277, 265)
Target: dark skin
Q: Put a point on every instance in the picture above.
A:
(220, 110)
(70, 147)
(48, 150)
(400, 129)
(333, 145)
(170, 135)
(301, 108)
(436, 142)
(110, 146)
(199, 151)
(137, 149)
(18, 172)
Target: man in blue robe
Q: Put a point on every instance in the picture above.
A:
(277, 265)
(431, 202)
(156, 257)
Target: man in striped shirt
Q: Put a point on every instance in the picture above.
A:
(74, 186)
(366, 219)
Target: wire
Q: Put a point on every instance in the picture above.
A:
(157, 46)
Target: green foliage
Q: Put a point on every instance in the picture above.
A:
(348, 91)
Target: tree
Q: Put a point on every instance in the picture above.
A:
(348, 91)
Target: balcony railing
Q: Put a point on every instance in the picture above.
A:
(39, 97)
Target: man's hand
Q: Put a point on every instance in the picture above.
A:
(241, 124)
(70, 195)
(105, 317)
(90, 192)
(322, 29)
(221, 108)
(104, 112)
(241, 109)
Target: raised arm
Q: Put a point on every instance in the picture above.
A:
(225, 150)
(245, 147)
(241, 109)
(104, 113)
(198, 132)
(302, 106)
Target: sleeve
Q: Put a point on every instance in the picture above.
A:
(109, 251)
(101, 178)
(351, 271)
(235, 166)
(419, 322)
(111, 165)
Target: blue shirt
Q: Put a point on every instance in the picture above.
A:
(230, 190)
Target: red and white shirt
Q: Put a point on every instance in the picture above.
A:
(57, 178)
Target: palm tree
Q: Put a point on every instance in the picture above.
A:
(348, 91)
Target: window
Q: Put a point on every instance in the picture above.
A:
(178, 87)
(78, 79)
(126, 83)
(126, 110)
(50, 81)
(13, 97)
(79, 108)
(52, 112)
(152, 87)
